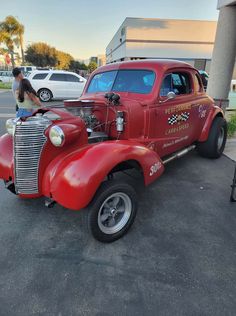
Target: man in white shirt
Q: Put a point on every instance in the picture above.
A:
(17, 74)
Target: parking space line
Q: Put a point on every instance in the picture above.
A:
(4, 115)
(3, 91)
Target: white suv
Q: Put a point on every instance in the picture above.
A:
(6, 76)
(56, 84)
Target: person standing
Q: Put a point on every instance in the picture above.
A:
(26, 99)
(18, 76)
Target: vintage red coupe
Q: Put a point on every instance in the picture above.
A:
(137, 114)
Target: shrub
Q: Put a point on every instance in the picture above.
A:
(5, 85)
(232, 125)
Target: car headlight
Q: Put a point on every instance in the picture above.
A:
(56, 136)
(10, 126)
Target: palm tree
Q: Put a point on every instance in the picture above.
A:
(21, 30)
(11, 34)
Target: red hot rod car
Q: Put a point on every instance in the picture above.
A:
(139, 114)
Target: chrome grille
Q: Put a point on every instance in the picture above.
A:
(29, 140)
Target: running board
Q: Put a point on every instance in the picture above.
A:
(178, 154)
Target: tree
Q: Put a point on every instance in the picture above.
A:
(21, 30)
(41, 55)
(64, 60)
(11, 35)
(75, 65)
(92, 66)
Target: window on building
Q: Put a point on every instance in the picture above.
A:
(200, 64)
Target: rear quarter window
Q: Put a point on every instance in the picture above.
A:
(72, 78)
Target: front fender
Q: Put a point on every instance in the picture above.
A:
(72, 180)
(215, 111)
(6, 157)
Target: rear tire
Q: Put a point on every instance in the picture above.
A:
(214, 146)
(45, 95)
(112, 211)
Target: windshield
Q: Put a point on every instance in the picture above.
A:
(135, 81)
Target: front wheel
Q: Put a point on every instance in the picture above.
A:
(214, 146)
(112, 211)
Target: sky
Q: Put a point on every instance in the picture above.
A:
(83, 28)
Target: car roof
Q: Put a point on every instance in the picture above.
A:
(53, 71)
(157, 64)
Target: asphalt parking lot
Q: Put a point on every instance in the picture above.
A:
(179, 258)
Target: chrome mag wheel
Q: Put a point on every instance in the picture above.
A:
(114, 213)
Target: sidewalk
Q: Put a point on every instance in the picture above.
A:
(230, 148)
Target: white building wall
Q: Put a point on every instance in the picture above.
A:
(168, 50)
(159, 38)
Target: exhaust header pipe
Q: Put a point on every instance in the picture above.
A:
(49, 203)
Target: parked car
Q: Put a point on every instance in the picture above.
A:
(27, 69)
(56, 84)
(6, 76)
(132, 115)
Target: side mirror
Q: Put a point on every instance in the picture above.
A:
(170, 95)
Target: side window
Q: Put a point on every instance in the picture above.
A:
(72, 78)
(28, 68)
(40, 76)
(181, 83)
(166, 86)
(58, 77)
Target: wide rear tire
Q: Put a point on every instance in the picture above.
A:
(214, 146)
(112, 211)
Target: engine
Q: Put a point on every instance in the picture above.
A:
(86, 111)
